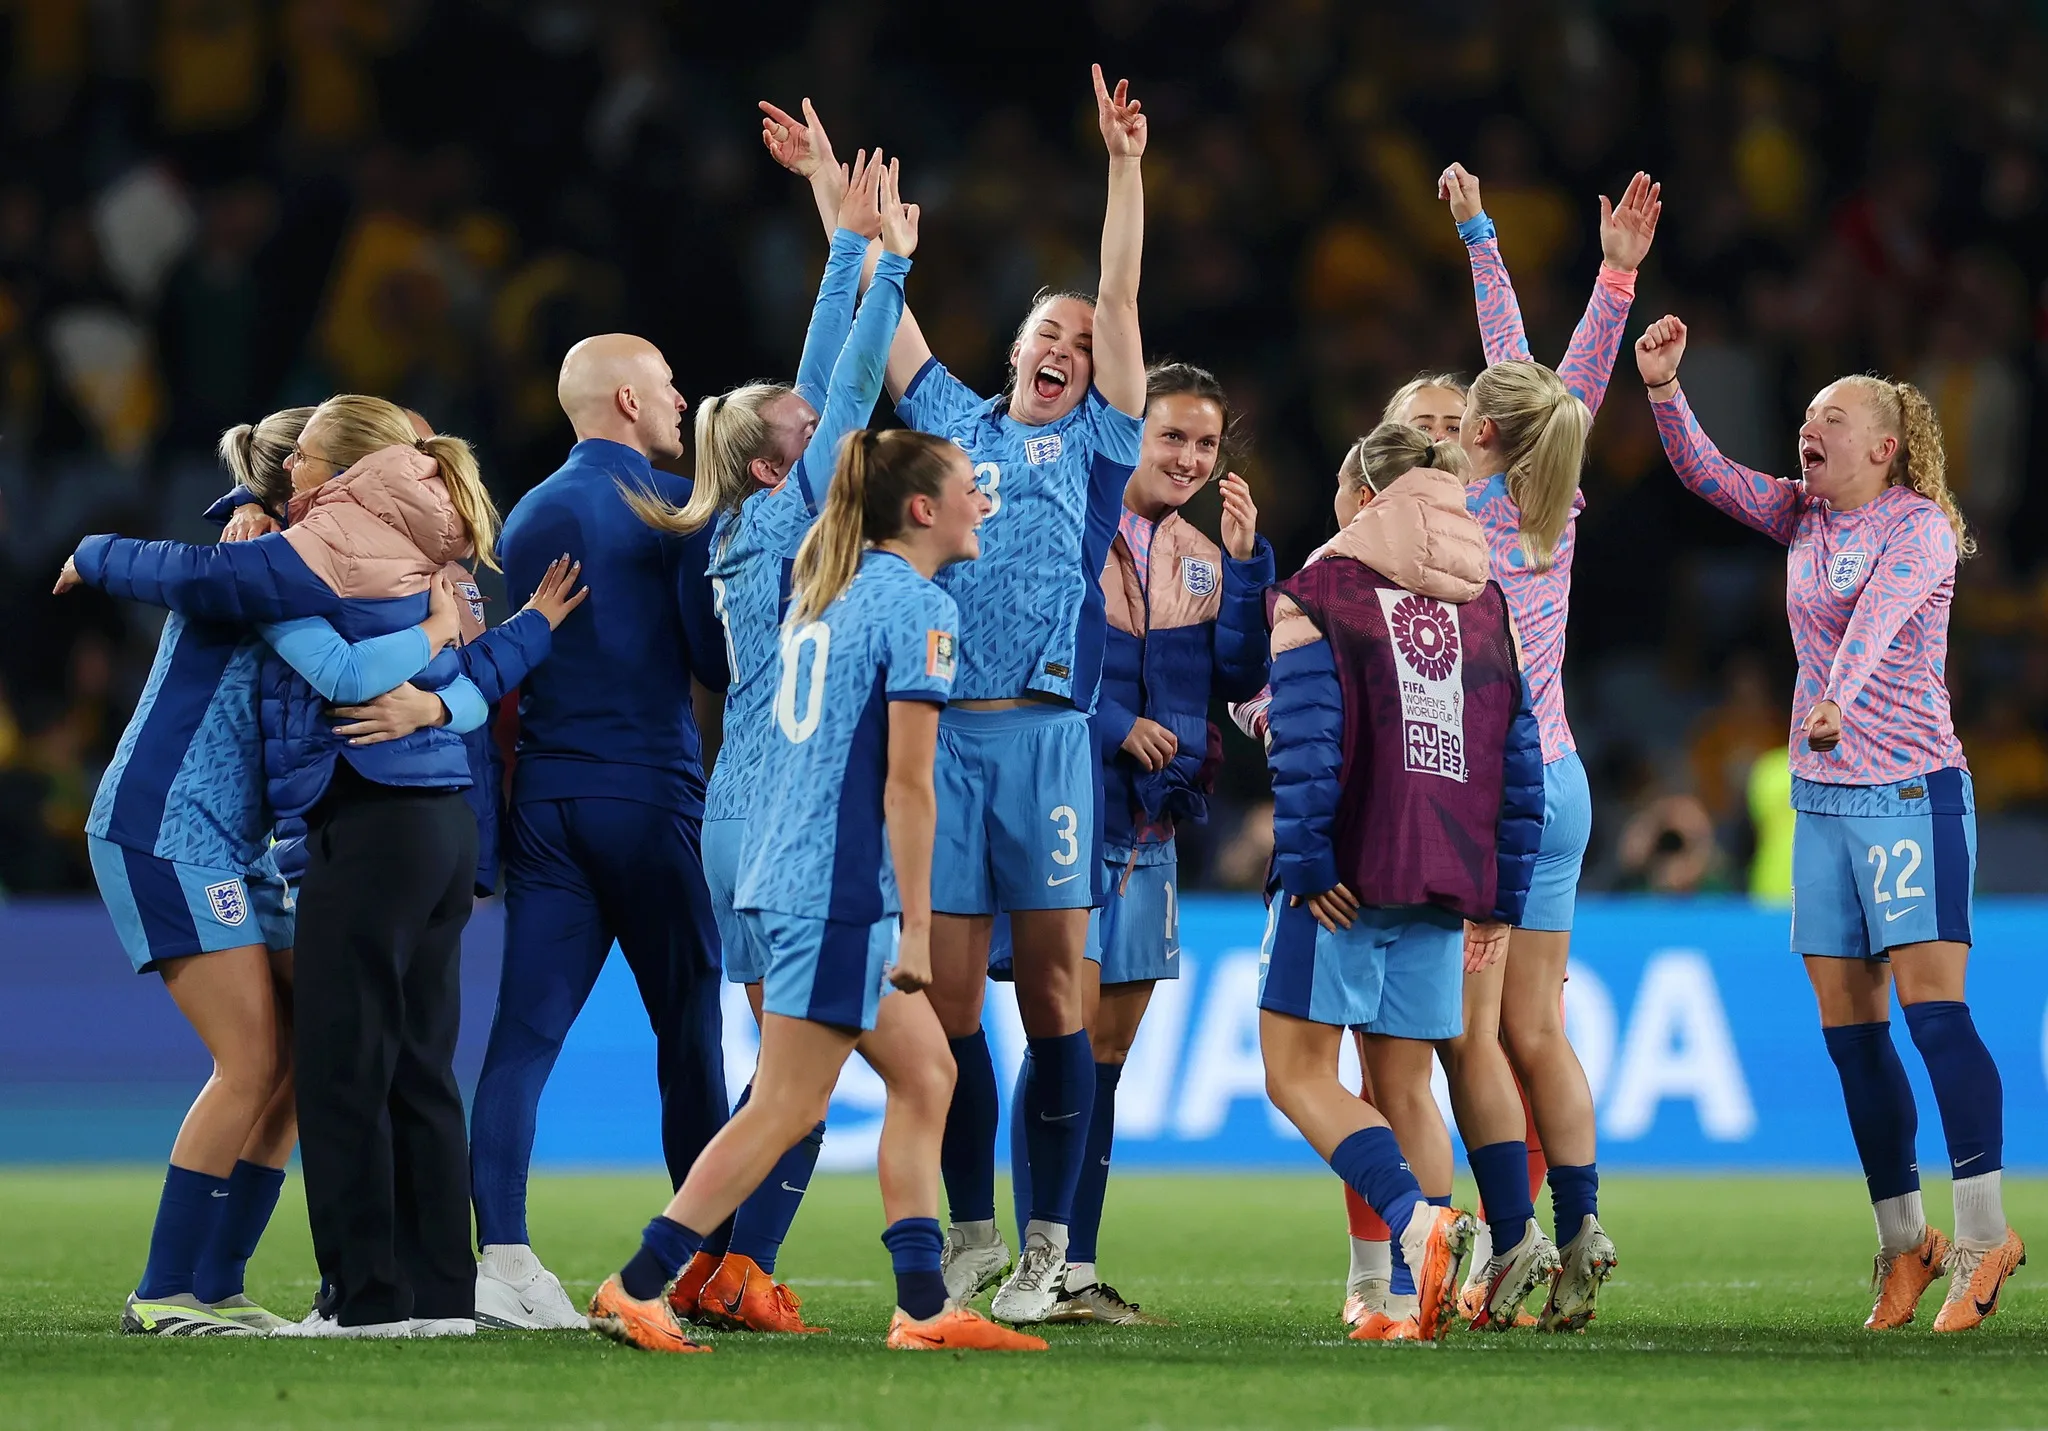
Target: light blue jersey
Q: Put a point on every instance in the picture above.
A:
(753, 550)
(815, 841)
(1031, 608)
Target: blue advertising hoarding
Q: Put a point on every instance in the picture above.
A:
(1695, 1025)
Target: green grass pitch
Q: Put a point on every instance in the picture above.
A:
(1738, 1303)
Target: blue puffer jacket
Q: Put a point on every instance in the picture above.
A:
(1194, 628)
(362, 552)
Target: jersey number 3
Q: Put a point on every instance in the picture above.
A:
(800, 726)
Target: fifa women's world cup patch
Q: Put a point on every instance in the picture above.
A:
(1430, 664)
(1198, 576)
(1846, 568)
(939, 657)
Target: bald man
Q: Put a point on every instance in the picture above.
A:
(602, 843)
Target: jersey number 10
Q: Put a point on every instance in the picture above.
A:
(800, 726)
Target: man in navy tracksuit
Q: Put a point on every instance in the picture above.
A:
(607, 802)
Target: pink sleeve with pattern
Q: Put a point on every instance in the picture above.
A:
(1596, 342)
(1500, 316)
(1918, 556)
(1770, 504)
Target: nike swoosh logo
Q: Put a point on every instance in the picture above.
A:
(1891, 914)
(788, 1189)
(1059, 1118)
(1960, 1162)
(733, 1307)
(223, 1192)
(1985, 1309)
(1105, 1162)
(1050, 881)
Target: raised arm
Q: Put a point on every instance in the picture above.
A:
(1769, 504)
(858, 220)
(1501, 334)
(803, 148)
(1626, 232)
(250, 582)
(1119, 349)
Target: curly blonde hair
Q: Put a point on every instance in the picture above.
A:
(1921, 462)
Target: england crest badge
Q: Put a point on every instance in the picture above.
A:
(468, 591)
(1040, 450)
(228, 901)
(1847, 569)
(1198, 576)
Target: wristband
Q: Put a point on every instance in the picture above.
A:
(1670, 382)
(1476, 229)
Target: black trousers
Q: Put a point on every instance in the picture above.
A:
(389, 878)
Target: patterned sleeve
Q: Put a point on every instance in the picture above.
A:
(1596, 342)
(1117, 433)
(831, 315)
(1500, 316)
(936, 400)
(1769, 504)
(856, 381)
(1918, 556)
(920, 648)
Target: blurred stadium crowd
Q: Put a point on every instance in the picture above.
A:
(213, 208)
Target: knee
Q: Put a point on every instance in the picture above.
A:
(252, 1074)
(1050, 1005)
(1528, 1033)
(929, 1090)
(1108, 1048)
(959, 1013)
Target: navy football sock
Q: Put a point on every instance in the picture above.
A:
(1061, 1097)
(665, 1247)
(763, 1219)
(914, 1244)
(967, 1156)
(185, 1216)
(1966, 1085)
(1094, 1185)
(224, 1262)
(1502, 1172)
(1370, 1163)
(1574, 1197)
(1882, 1116)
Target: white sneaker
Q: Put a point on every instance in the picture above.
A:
(441, 1327)
(1034, 1288)
(970, 1268)
(1364, 1296)
(317, 1325)
(1586, 1261)
(239, 1308)
(515, 1293)
(1493, 1295)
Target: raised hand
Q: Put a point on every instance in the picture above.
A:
(1658, 352)
(1240, 517)
(798, 145)
(860, 207)
(1459, 187)
(1627, 228)
(558, 595)
(899, 220)
(1123, 127)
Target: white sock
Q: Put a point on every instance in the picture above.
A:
(1079, 1275)
(978, 1234)
(1902, 1223)
(1053, 1232)
(1980, 1211)
(1371, 1261)
(510, 1261)
(1415, 1238)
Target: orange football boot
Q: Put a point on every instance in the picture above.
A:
(740, 1297)
(957, 1329)
(1900, 1282)
(1436, 1272)
(648, 1325)
(1379, 1327)
(688, 1289)
(1976, 1276)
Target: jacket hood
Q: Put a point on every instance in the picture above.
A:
(1418, 534)
(401, 487)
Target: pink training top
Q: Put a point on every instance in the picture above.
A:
(1540, 601)
(1867, 592)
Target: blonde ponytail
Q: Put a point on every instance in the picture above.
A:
(1393, 448)
(731, 431)
(254, 454)
(877, 475)
(357, 426)
(1542, 429)
(1921, 462)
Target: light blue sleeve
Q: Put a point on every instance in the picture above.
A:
(343, 673)
(856, 378)
(467, 709)
(831, 315)
(936, 401)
